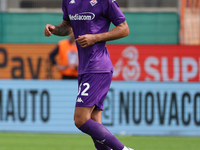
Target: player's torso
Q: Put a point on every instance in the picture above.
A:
(84, 9)
(87, 15)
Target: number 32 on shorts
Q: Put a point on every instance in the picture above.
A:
(86, 87)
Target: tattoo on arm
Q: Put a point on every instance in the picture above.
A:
(63, 29)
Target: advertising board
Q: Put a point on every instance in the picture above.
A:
(165, 63)
(135, 108)
(160, 63)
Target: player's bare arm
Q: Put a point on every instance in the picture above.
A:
(118, 32)
(63, 29)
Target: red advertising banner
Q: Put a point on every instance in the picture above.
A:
(165, 63)
(162, 63)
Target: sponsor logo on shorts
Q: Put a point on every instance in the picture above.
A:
(79, 100)
(82, 16)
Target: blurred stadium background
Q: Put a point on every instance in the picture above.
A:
(155, 89)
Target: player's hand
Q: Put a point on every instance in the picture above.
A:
(86, 40)
(48, 29)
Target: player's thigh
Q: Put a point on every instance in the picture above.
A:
(82, 114)
(96, 115)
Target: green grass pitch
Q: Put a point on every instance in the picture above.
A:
(39, 141)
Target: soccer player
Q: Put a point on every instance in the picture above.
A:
(90, 21)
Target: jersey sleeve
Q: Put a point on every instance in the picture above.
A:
(65, 12)
(113, 13)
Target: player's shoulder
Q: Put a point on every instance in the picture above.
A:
(106, 1)
(110, 2)
(67, 2)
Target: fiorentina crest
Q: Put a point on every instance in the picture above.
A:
(93, 2)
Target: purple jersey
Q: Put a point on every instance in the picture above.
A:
(92, 17)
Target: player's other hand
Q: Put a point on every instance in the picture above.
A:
(48, 29)
(86, 40)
